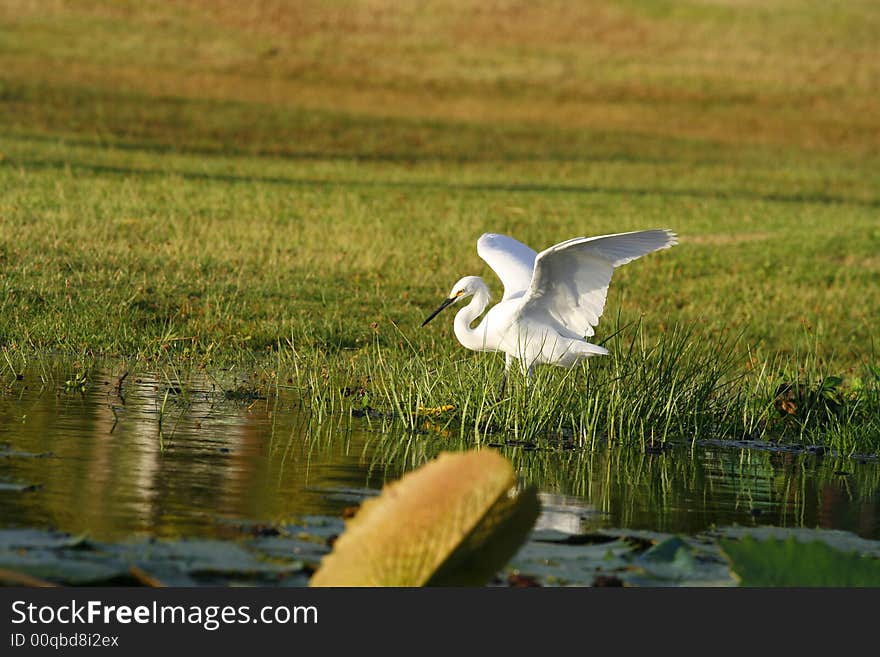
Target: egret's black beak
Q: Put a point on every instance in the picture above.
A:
(437, 312)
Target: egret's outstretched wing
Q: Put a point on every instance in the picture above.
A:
(511, 260)
(571, 279)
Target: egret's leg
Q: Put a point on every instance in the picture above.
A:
(508, 362)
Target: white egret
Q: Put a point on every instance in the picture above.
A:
(552, 299)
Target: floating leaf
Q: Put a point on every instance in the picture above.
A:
(73, 560)
(792, 563)
(12, 578)
(455, 521)
(667, 551)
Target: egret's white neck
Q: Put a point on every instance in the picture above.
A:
(474, 339)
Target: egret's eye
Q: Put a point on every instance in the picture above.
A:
(459, 293)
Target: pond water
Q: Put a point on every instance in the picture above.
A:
(156, 458)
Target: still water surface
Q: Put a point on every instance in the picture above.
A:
(157, 458)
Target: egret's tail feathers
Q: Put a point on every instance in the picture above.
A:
(579, 350)
(588, 349)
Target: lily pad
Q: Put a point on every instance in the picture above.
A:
(794, 563)
(669, 561)
(454, 521)
(73, 560)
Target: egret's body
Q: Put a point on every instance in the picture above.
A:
(552, 300)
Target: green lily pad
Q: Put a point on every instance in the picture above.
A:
(794, 563)
(670, 561)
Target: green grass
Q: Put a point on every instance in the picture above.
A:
(292, 193)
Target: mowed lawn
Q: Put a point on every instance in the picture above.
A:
(221, 180)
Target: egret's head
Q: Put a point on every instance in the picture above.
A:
(465, 287)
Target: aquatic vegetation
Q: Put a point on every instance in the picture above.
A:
(790, 562)
(287, 555)
(455, 521)
(678, 387)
